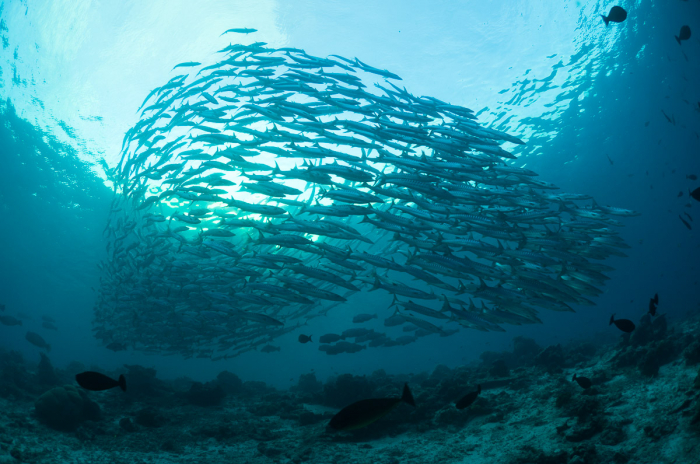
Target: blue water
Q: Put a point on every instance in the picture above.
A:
(551, 73)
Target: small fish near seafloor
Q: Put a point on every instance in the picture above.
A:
(623, 324)
(468, 399)
(584, 382)
(364, 412)
(94, 381)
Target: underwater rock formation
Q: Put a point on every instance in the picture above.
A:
(64, 408)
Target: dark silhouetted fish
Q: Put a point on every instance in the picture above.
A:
(304, 338)
(687, 224)
(10, 320)
(652, 307)
(689, 216)
(611, 161)
(671, 119)
(684, 34)
(48, 325)
(584, 382)
(95, 381)
(656, 298)
(691, 177)
(468, 399)
(37, 340)
(617, 15)
(258, 289)
(365, 412)
(695, 194)
(363, 318)
(270, 349)
(623, 324)
(329, 338)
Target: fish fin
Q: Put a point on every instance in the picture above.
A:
(678, 39)
(605, 19)
(394, 301)
(122, 383)
(446, 305)
(407, 396)
(612, 319)
(461, 289)
(377, 284)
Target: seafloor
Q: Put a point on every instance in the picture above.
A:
(642, 408)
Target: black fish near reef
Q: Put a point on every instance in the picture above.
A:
(623, 324)
(617, 15)
(37, 340)
(94, 381)
(364, 412)
(304, 338)
(468, 399)
(584, 382)
(652, 304)
(683, 35)
(691, 177)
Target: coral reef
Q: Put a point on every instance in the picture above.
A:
(643, 407)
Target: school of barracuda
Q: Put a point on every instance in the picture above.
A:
(263, 190)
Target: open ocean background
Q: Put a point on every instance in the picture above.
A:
(73, 74)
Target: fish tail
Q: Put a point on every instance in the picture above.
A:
(678, 39)
(612, 319)
(122, 383)
(605, 19)
(573, 379)
(407, 396)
